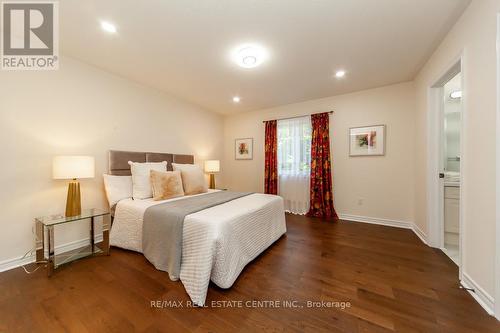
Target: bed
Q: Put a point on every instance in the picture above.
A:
(217, 242)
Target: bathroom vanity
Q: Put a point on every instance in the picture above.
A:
(451, 213)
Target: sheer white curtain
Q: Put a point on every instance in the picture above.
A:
(294, 163)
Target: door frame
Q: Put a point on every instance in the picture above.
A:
(435, 160)
(497, 181)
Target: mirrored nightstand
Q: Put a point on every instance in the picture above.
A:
(45, 237)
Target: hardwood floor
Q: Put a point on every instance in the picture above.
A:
(391, 280)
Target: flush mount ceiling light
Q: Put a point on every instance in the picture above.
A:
(340, 74)
(249, 56)
(108, 27)
(236, 99)
(456, 94)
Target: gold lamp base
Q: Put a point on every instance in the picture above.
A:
(73, 201)
(212, 181)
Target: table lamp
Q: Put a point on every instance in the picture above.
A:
(73, 167)
(212, 167)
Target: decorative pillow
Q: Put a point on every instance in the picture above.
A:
(141, 183)
(193, 179)
(117, 188)
(166, 185)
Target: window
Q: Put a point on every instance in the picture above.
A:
(294, 146)
(294, 163)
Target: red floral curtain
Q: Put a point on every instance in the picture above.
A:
(321, 169)
(271, 163)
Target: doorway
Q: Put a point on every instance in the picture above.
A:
(445, 158)
(452, 109)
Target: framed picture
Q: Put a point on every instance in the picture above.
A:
(243, 149)
(367, 141)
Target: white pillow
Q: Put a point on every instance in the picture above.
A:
(193, 179)
(117, 188)
(141, 183)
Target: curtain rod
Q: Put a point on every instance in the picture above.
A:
(330, 112)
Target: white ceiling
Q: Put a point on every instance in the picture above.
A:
(182, 46)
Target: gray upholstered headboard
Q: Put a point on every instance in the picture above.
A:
(118, 160)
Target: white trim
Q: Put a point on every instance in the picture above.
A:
(376, 220)
(497, 257)
(463, 181)
(386, 222)
(423, 237)
(19, 261)
(15, 262)
(435, 195)
(479, 294)
(435, 188)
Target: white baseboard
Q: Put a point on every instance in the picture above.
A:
(480, 295)
(387, 222)
(376, 220)
(20, 261)
(15, 262)
(416, 229)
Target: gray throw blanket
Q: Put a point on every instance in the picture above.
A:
(163, 225)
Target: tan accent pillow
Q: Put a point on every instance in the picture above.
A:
(193, 179)
(166, 185)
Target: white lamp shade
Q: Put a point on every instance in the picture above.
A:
(212, 166)
(72, 167)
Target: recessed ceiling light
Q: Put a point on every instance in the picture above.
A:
(456, 94)
(249, 56)
(108, 27)
(236, 99)
(340, 74)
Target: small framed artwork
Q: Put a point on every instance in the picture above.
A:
(243, 149)
(367, 141)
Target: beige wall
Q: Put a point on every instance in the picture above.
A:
(82, 110)
(385, 184)
(475, 36)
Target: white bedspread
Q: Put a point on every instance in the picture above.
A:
(218, 242)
